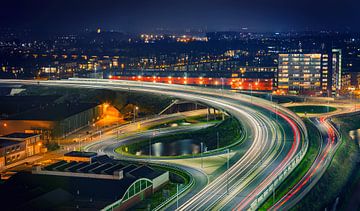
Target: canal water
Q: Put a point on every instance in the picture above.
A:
(355, 135)
(173, 148)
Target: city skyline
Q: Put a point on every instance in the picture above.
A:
(179, 105)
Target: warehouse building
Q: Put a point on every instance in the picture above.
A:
(17, 146)
(53, 120)
(103, 183)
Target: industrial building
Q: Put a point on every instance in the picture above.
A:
(55, 120)
(17, 146)
(103, 183)
(246, 78)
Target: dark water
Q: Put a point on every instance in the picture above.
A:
(355, 135)
(172, 148)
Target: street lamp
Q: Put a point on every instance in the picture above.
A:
(136, 108)
(251, 93)
(153, 136)
(227, 171)
(4, 125)
(201, 149)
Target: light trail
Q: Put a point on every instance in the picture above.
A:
(330, 138)
(267, 145)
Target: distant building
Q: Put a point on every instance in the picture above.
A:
(103, 184)
(17, 146)
(310, 72)
(256, 78)
(347, 81)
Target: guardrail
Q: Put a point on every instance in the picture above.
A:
(117, 203)
(265, 193)
(260, 199)
(181, 191)
(250, 99)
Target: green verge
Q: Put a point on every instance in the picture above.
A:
(230, 132)
(188, 120)
(300, 170)
(166, 191)
(339, 176)
(312, 109)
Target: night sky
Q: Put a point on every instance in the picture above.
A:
(148, 15)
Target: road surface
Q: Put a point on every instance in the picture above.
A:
(329, 144)
(277, 137)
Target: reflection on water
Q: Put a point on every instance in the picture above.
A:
(355, 135)
(173, 148)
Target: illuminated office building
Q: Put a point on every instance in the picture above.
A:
(317, 73)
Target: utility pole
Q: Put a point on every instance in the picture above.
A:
(177, 195)
(79, 142)
(153, 135)
(134, 111)
(251, 93)
(227, 172)
(222, 85)
(202, 149)
(207, 114)
(273, 193)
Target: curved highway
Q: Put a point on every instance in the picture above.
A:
(277, 139)
(329, 144)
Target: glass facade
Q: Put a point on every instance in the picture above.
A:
(310, 72)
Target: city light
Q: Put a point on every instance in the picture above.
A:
(185, 105)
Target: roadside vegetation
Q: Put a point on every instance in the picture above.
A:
(52, 146)
(300, 170)
(124, 101)
(187, 121)
(338, 180)
(311, 109)
(177, 178)
(229, 130)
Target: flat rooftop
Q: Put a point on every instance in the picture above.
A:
(19, 135)
(70, 192)
(106, 166)
(16, 195)
(53, 112)
(7, 142)
(16, 104)
(81, 154)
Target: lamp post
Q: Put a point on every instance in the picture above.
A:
(227, 171)
(222, 85)
(251, 93)
(153, 135)
(177, 196)
(3, 131)
(136, 108)
(201, 148)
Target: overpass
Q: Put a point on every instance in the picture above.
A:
(276, 143)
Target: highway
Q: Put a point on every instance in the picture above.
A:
(330, 142)
(277, 139)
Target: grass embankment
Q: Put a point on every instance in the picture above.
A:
(311, 109)
(229, 133)
(301, 169)
(188, 121)
(177, 177)
(124, 101)
(338, 179)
